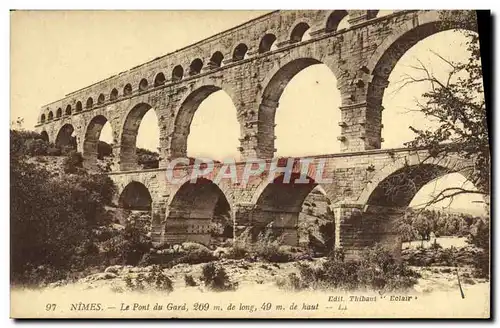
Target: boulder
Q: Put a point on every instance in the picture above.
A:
(114, 269)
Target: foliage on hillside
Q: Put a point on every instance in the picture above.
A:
(52, 217)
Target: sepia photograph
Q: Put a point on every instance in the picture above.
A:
(243, 164)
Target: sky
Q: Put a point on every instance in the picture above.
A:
(55, 53)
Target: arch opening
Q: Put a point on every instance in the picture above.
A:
(101, 99)
(206, 126)
(50, 116)
(93, 135)
(295, 213)
(59, 112)
(240, 52)
(159, 79)
(392, 100)
(78, 106)
(267, 43)
(68, 110)
(333, 24)
(135, 196)
(42, 118)
(177, 73)
(300, 33)
(216, 60)
(143, 85)
(66, 139)
(139, 131)
(297, 122)
(90, 103)
(113, 95)
(202, 210)
(407, 204)
(127, 89)
(44, 135)
(195, 67)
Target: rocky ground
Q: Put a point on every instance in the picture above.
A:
(258, 275)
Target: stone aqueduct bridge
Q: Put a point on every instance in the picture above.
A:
(253, 63)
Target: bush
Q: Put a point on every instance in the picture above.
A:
(136, 244)
(104, 150)
(480, 237)
(291, 282)
(155, 279)
(216, 278)
(271, 252)
(197, 256)
(189, 280)
(147, 159)
(73, 162)
(237, 253)
(36, 147)
(52, 219)
(27, 143)
(376, 270)
(54, 151)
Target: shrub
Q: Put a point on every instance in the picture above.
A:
(155, 279)
(216, 278)
(376, 270)
(36, 147)
(271, 252)
(197, 256)
(104, 150)
(290, 282)
(147, 159)
(58, 215)
(146, 260)
(28, 143)
(237, 253)
(480, 237)
(189, 280)
(54, 151)
(136, 244)
(73, 162)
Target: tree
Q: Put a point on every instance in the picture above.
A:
(457, 103)
(405, 227)
(52, 219)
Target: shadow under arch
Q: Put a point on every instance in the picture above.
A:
(388, 198)
(192, 209)
(91, 140)
(65, 138)
(184, 118)
(135, 196)
(278, 205)
(129, 132)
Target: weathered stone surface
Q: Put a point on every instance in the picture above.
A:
(361, 57)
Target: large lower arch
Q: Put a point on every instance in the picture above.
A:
(277, 208)
(65, 139)
(184, 118)
(91, 141)
(128, 141)
(390, 51)
(387, 199)
(135, 196)
(192, 209)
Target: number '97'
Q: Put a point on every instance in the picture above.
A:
(50, 307)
